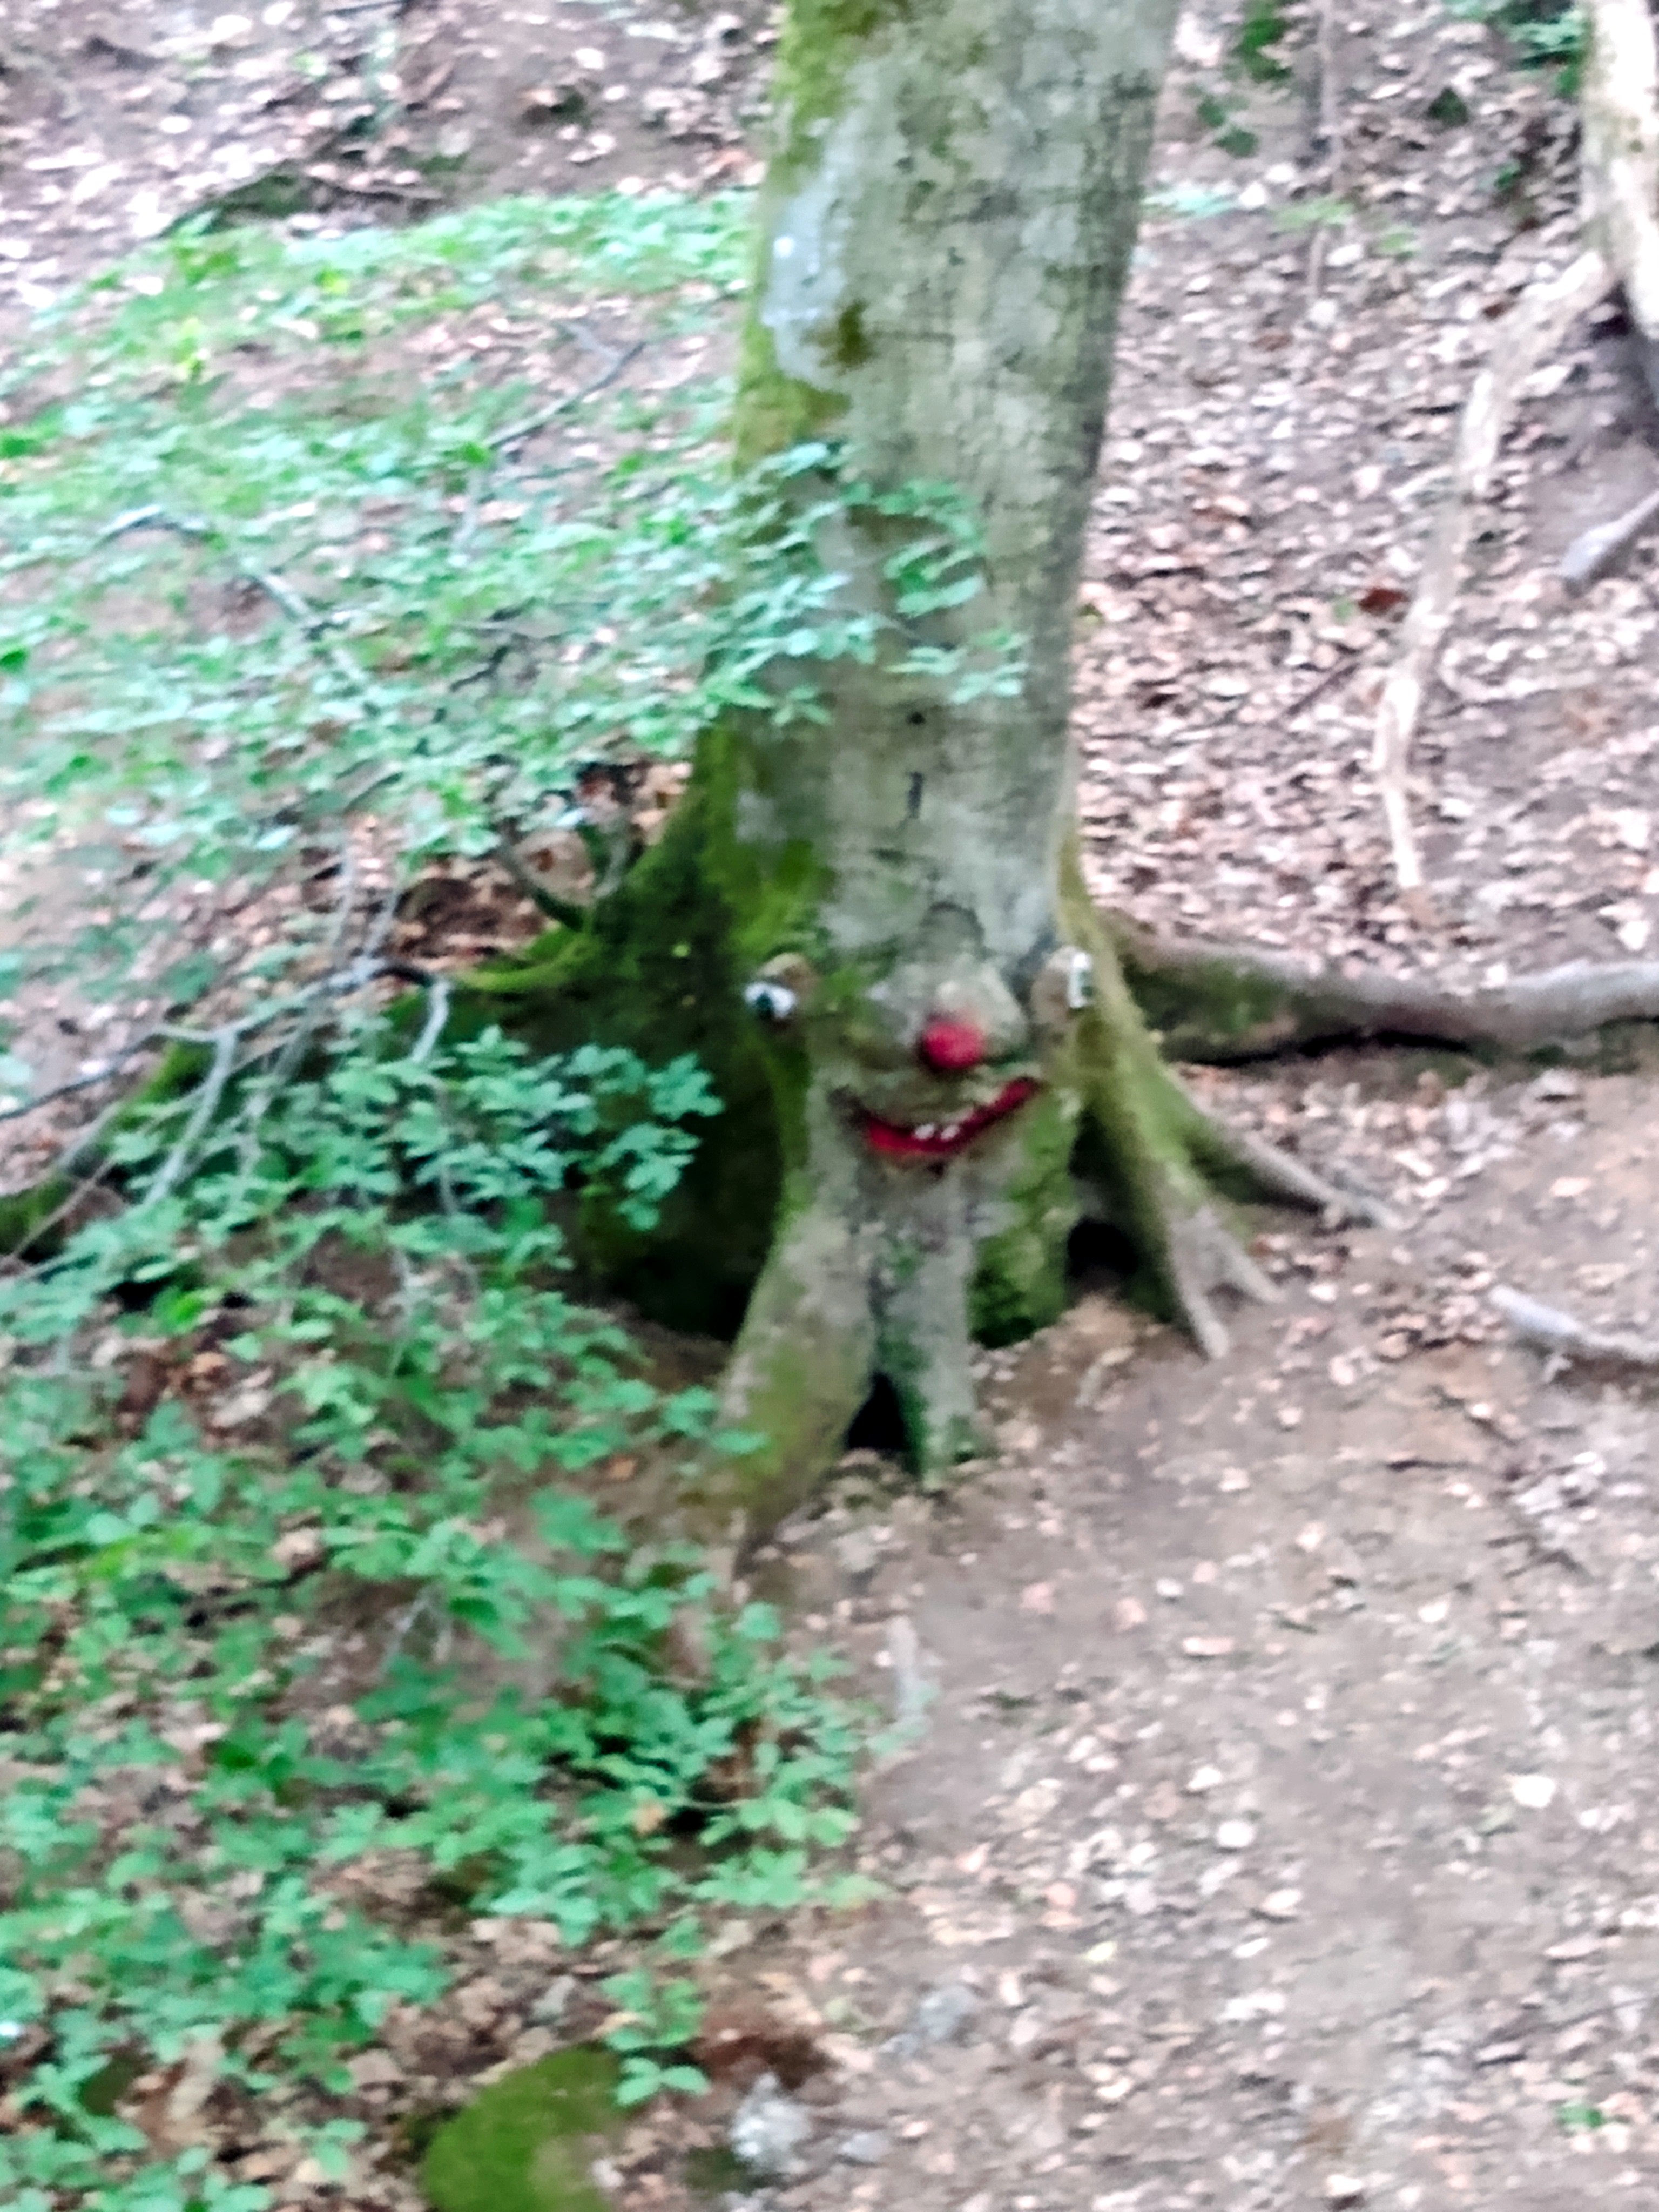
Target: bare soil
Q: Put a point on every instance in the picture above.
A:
(1282, 1801)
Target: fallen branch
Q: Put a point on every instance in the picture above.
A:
(1559, 1333)
(1330, 98)
(437, 1019)
(612, 355)
(1531, 330)
(1619, 215)
(111, 1066)
(1328, 135)
(371, 186)
(225, 1046)
(516, 433)
(298, 609)
(502, 441)
(1592, 554)
(1224, 1002)
(178, 1160)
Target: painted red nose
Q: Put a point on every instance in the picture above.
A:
(949, 1046)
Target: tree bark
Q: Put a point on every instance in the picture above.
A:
(1619, 104)
(943, 241)
(960, 1071)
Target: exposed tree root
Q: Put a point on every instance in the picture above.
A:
(1162, 1159)
(1596, 551)
(1219, 1002)
(802, 1367)
(849, 1295)
(1201, 1256)
(1234, 1154)
(1565, 1338)
(879, 1265)
(871, 1273)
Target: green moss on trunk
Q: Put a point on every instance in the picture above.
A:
(775, 411)
(1019, 1280)
(822, 39)
(661, 968)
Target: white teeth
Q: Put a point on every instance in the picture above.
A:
(926, 1130)
(952, 1133)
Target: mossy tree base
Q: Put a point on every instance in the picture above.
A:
(896, 1267)
(660, 969)
(849, 1263)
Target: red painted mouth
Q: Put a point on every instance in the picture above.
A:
(943, 1140)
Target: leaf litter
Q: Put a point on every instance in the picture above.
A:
(1400, 1939)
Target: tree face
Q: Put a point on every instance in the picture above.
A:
(943, 1048)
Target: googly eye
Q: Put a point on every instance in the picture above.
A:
(773, 1002)
(1079, 982)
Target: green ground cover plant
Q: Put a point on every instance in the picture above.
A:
(265, 570)
(375, 1255)
(302, 1411)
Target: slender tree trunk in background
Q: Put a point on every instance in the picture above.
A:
(946, 231)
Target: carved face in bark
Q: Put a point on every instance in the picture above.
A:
(940, 1047)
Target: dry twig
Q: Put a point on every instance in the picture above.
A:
(516, 433)
(276, 588)
(373, 185)
(1329, 135)
(437, 1016)
(1531, 330)
(502, 441)
(228, 1058)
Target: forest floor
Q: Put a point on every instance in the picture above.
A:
(1280, 1832)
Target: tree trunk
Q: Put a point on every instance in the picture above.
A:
(871, 928)
(944, 237)
(946, 234)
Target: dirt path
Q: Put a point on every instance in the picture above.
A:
(1283, 1802)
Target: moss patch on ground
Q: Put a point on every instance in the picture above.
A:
(527, 2143)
